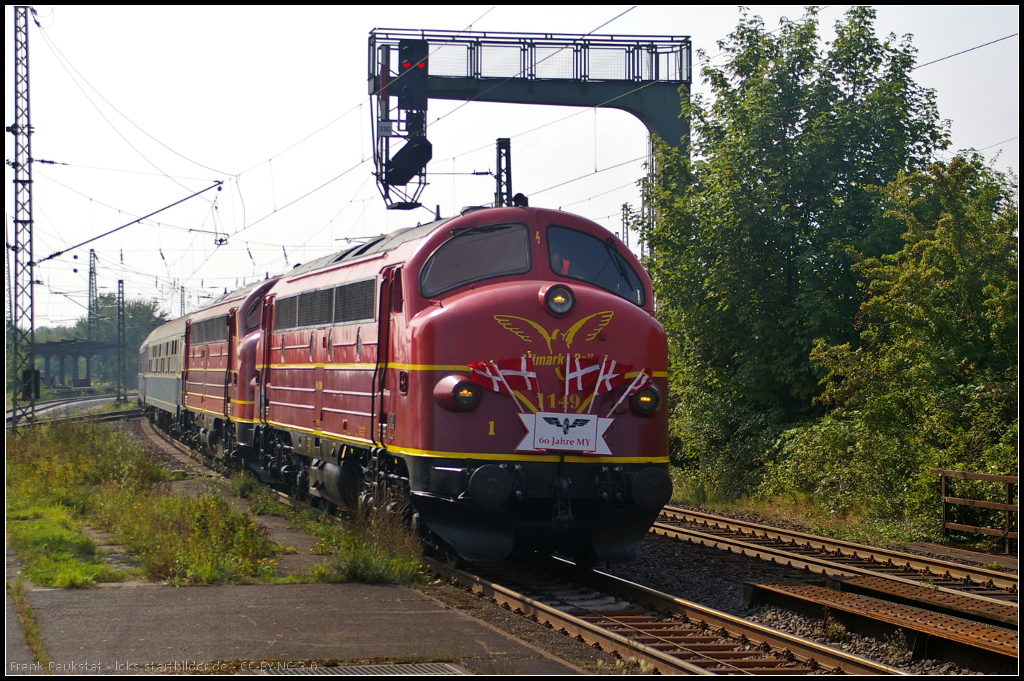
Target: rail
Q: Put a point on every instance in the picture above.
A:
(44, 407)
(834, 557)
(685, 638)
(948, 502)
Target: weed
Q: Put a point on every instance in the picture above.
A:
(804, 511)
(834, 631)
(242, 485)
(379, 549)
(631, 666)
(323, 574)
(897, 639)
(61, 475)
(263, 503)
(191, 540)
(372, 563)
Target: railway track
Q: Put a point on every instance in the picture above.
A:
(51, 409)
(947, 611)
(664, 634)
(837, 559)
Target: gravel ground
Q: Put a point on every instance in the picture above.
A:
(167, 455)
(714, 579)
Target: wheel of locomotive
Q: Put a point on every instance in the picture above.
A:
(321, 504)
(217, 449)
(367, 499)
(228, 446)
(452, 558)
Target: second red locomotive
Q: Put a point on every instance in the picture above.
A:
(499, 376)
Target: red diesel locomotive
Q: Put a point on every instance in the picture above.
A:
(498, 376)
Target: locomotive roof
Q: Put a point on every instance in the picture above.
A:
(376, 244)
(239, 292)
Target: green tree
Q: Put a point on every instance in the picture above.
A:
(934, 381)
(749, 248)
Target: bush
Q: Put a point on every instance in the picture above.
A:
(934, 381)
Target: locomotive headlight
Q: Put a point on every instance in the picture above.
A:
(646, 401)
(457, 393)
(466, 394)
(559, 300)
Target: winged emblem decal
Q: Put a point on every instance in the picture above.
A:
(564, 424)
(590, 325)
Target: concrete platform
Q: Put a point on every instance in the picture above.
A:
(153, 629)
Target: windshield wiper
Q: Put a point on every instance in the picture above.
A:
(613, 255)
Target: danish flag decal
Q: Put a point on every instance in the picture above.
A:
(581, 373)
(515, 373)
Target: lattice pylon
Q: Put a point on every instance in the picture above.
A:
(22, 321)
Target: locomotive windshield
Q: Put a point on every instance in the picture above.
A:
(577, 255)
(479, 253)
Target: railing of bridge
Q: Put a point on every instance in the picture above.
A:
(546, 56)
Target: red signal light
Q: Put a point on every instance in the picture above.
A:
(406, 64)
(421, 65)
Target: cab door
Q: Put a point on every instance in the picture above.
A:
(384, 384)
(231, 365)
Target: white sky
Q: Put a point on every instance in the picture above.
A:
(232, 88)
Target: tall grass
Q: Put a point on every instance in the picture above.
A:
(382, 549)
(189, 540)
(805, 511)
(377, 547)
(62, 475)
